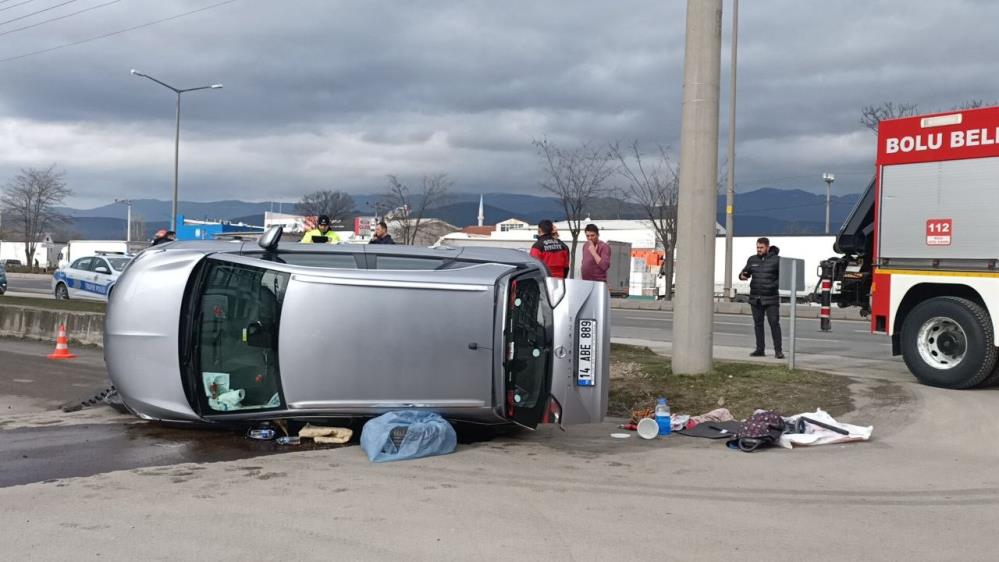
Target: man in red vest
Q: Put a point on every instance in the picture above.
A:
(551, 251)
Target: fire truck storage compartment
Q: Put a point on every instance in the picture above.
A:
(963, 192)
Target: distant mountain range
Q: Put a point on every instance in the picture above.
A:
(762, 212)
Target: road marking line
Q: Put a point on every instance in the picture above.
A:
(24, 381)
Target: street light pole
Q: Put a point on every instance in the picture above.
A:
(176, 169)
(128, 220)
(176, 142)
(829, 179)
(730, 191)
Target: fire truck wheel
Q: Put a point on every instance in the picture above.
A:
(993, 379)
(948, 342)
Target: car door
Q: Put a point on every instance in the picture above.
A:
(100, 277)
(77, 274)
(371, 341)
(581, 367)
(88, 284)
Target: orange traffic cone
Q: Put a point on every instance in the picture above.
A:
(62, 345)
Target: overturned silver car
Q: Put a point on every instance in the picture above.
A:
(241, 331)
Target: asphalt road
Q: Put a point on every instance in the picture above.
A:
(847, 338)
(97, 484)
(33, 285)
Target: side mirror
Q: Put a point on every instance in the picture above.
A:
(270, 238)
(103, 270)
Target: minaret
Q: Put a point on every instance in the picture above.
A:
(482, 214)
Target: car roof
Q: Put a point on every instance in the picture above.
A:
(470, 253)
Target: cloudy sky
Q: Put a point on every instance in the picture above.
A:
(339, 93)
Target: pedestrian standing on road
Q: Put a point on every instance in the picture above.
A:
(382, 235)
(550, 251)
(764, 298)
(596, 256)
(322, 233)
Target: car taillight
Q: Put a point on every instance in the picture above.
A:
(553, 412)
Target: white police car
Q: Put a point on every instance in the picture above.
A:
(92, 277)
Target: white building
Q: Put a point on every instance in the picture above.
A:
(15, 251)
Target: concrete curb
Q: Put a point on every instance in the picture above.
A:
(890, 369)
(29, 275)
(43, 324)
(804, 311)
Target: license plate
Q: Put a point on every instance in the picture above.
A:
(586, 353)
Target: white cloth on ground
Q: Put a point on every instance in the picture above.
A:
(816, 435)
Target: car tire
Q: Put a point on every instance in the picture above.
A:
(948, 342)
(61, 292)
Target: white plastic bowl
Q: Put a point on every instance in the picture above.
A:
(648, 428)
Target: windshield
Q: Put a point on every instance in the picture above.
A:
(236, 335)
(119, 263)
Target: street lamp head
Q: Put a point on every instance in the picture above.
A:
(828, 178)
(216, 86)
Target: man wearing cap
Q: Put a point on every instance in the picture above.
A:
(321, 232)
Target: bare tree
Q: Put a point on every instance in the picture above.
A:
(30, 201)
(974, 104)
(337, 205)
(577, 177)
(405, 211)
(872, 115)
(654, 187)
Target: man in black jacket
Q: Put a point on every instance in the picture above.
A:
(764, 298)
(382, 235)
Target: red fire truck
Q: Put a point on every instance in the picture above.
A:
(921, 248)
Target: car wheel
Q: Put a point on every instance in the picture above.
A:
(948, 342)
(61, 292)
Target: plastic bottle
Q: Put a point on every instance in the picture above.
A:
(663, 417)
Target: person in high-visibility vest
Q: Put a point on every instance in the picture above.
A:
(321, 232)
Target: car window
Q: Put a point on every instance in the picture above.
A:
(100, 262)
(237, 334)
(118, 264)
(407, 262)
(529, 318)
(82, 263)
(319, 259)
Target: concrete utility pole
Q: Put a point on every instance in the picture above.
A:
(730, 192)
(692, 337)
(829, 179)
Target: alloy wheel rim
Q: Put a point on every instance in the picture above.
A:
(942, 343)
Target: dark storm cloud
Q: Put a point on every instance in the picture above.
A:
(340, 93)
